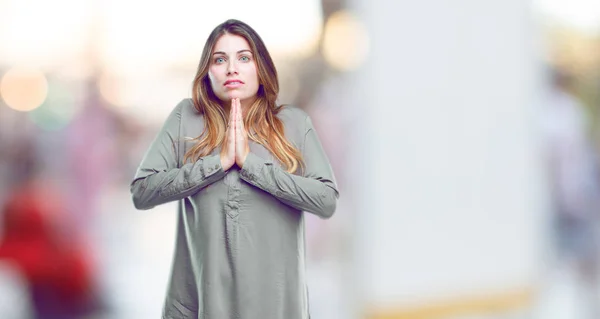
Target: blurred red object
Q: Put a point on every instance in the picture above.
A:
(57, 270)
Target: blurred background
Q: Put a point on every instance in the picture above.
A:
(464, 135)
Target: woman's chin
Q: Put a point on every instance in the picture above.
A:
(227, 97)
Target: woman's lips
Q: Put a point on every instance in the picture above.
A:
(233, 83)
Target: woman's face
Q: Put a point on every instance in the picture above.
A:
(232, 70)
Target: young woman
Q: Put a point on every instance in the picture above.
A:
(243, 170)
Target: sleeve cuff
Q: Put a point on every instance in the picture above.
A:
(211, 165)
(252, 168)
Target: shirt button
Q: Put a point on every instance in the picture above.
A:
(216, 166)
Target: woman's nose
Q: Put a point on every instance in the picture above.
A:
(231, 68)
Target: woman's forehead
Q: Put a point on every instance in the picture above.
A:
(231, 43)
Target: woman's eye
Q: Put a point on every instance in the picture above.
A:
(245, 58)
(219, 60)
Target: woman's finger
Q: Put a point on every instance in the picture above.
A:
(236, 113)
(239, 116)
(232, 112)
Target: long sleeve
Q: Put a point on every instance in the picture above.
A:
(159, 179)
(314, 192)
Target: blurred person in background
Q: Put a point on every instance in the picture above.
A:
(98, 124)
(243, 170)
(574, 186)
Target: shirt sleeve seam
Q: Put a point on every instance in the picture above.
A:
(306, 130)
(179, 139)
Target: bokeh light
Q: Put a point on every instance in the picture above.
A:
(111, 87)
(58, 109)
(23, 89)
(345, 41)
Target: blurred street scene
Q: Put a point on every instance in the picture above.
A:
(465, 140)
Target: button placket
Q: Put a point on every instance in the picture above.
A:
(233, 193)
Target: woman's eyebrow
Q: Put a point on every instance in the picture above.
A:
(240, 51)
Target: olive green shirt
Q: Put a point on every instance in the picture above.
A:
(240, 247)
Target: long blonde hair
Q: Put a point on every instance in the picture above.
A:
(261, 122)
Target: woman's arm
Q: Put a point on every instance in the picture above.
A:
(159, 179)
(315, 192)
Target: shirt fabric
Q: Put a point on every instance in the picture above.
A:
(240, 246)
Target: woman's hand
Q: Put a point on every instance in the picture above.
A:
(228, 156)
(241, 136)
